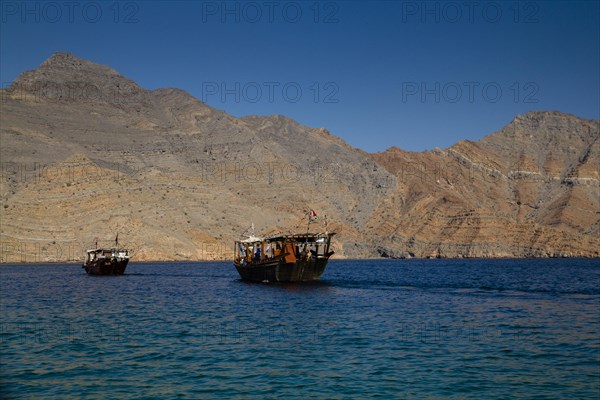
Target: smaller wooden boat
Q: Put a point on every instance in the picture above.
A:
(106, 261)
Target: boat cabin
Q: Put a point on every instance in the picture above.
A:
(93, 255)
(290, 247)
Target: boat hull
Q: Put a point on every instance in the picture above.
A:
(281, 271)
(106, 267)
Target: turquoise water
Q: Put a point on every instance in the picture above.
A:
(473, 329)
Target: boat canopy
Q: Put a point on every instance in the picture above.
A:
(299, 237)
(251, 239)
(106, 251)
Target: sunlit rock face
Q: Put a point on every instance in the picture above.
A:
(87, 153)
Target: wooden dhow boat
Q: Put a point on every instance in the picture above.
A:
(292, 257)
(106, 261)
(298, 257)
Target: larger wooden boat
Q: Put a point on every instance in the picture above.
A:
(296, 257)
(106, 261)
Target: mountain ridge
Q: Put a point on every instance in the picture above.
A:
(182, 180)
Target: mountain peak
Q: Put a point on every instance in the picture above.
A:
(64, 77)
(540, 117)
(62, 57)
(68, 67)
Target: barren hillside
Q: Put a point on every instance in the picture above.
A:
(87, 153)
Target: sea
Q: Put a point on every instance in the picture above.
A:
(390, 329)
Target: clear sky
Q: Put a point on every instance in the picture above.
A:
(412, 74)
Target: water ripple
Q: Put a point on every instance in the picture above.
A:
(468, 329)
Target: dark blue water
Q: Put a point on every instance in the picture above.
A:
(392, 329)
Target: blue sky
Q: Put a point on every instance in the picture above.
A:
(411, 74)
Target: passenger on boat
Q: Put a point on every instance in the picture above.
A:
(304, 253)
(257, 254)
(277, 250)
(248, 254)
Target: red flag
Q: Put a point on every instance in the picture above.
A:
(313, 213)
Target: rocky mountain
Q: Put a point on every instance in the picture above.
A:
(531, 189)
(87, 153)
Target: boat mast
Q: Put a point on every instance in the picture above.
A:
(308, 224)
(311, 213)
